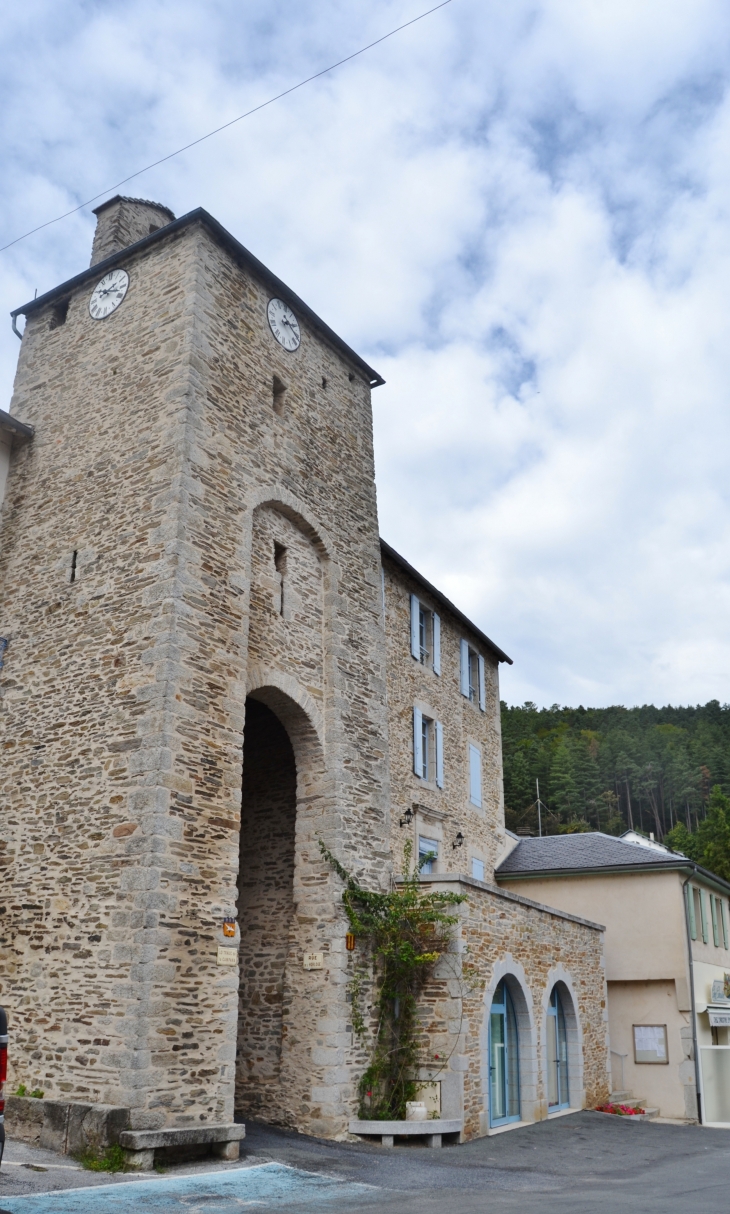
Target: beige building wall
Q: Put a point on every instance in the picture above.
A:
(646, 969)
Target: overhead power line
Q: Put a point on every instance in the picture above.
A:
(225, 125)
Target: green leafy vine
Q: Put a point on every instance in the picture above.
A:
(401, 935)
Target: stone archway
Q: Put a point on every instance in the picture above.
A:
(512, 973)
(559, 978)
(281, 809)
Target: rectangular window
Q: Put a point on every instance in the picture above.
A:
(472, 682)
(715, 925)
(475, 776)
(425, 635)
(477, 868)
(427, 848)
(428, 748)
(700, 914)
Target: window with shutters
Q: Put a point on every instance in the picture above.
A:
(475, 775)
(428, 748)
(472, 676)
(425, 635)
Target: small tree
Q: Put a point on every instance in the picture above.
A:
(405, 932)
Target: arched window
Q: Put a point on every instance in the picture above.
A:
(504, 1059)
(557, 1054)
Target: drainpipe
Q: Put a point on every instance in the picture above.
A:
(16, 330)
(686, 896)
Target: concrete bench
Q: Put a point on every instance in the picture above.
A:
(140, 1145)
(432, 1130)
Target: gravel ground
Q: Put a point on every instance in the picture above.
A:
(581, 1164)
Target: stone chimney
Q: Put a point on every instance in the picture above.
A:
(122, 221)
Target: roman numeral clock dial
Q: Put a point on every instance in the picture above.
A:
(284, 325)
(108, 294)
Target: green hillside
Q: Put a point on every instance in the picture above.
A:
(612, 768)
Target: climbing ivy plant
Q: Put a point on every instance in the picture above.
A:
(401, 935)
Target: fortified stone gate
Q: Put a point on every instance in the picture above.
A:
(199, 625)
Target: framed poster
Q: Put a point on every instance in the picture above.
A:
(650, 1044)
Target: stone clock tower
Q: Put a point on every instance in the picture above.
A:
(193, 687)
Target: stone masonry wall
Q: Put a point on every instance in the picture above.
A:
(123, 692)
(442, 812)
(533, 948)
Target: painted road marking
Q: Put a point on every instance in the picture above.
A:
(228, 1192)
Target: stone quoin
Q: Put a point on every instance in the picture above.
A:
(212, 663)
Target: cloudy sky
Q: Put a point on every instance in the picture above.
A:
(518, 211)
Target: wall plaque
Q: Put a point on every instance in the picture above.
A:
(719, 1020)
(313, 961)
(227, 956)
(718, 992)
(650, 1043)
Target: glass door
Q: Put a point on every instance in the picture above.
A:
(557, 1049)
(504, 1064)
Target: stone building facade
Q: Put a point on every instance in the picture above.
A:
(210, 666)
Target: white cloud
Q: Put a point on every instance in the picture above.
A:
(519, 214)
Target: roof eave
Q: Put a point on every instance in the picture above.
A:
(238, 251)
(441, 598)
(658, 866)
(19, 431)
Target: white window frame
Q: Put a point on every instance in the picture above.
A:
(477, 862)
(431, 845)
(472, 680)
(428, 748)
(425, 628)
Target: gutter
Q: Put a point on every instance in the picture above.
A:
(686, 895)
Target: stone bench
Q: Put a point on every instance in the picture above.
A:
(140, 1145)
(432, 1130)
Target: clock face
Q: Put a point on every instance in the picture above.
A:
(283, 324)
(108, 294)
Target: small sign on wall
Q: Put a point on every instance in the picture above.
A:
(313, 961)
(227, 956)
(650, 1043)
(719, 1020)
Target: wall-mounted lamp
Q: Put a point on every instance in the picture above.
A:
(458, 841)
(407, 817)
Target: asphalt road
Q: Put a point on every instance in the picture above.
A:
(581, 1164)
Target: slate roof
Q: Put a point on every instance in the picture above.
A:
(592, 850)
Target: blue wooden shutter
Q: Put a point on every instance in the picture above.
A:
(415, 629)
(439, 731)
(464, 671)
(417, 742)
(482, 689)
(689, 894)
(436, 643)
(475, 776)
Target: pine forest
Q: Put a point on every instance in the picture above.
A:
(662, 771)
